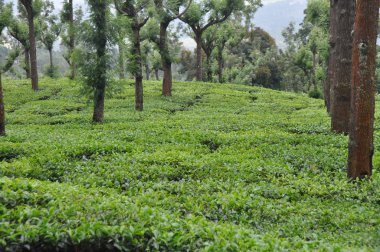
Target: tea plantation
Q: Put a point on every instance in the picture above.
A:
(213, 168)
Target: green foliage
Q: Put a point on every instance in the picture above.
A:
(213, 168)
(316, 94)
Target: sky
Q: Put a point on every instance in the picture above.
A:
(188, 42)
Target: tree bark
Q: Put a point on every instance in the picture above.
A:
(332, 54)
(27, 63)
(121, 61)
(139, 93)
(99, 96)
(51, 58)
(167, 81)
(199, 71)
(147, 71)
(314, 77)
(2, 110)
(101, 65)
(208, 70)
(361, 147)
(32, 42)
(156, 73)
(71, 39)
(220, 64)
(341, 65)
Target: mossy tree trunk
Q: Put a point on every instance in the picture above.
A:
(2, 110)
(28, 4)
(361, 147)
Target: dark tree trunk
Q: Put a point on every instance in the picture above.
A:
(220, 64)
(208, 70)
(167, 81)
(51, 58)
(139, 93)
(156, 73)
(332, 54)
(121, 61)
(199, 71)
(342, 63)
(101, 67)
(2, 110)
(27, 63)
(147, 71)
(314, 77)
(99, 96)
(71, 39)
(361, 147)
(32, 43)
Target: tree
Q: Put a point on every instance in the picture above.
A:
(340, 65)
(361, 128)
(203, 15)
(138, 15)
(95, 63)
(70, 20)
(32, 8)
(49, 32)
(167, 11)
(5, 17)
(19, 30)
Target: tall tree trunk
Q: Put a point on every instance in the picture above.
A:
(208, 70)
(27, 63)
(199, 72)
(101, 65)
(342, 63)
(71, 40)
(99, 96)
(139, 93)
(51, 58)
(156, 73)
(361, 147)
(32, 43)
(121, 61)
(314, 71)
(2, 110)
(147, 71)
(167, 81)
(220, 64)
(332, 53)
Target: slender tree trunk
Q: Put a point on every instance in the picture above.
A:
(314, 77)
(99, 96)
(361, 147)
(121, 61)
(2, 110)
(220, 64)
(156, 73)
(71, 40)
(32, 43)
(342, 63)
(199, 72)
(208, 70)
(101, 65)
(167, 81)
(27, 63)
(147, 71)
(139, 93)
(51, 58)
(332, 53)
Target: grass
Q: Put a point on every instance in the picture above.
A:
(213, 168)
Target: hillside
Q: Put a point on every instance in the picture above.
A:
(214, 168)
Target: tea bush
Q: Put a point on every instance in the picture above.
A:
(213, 168)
